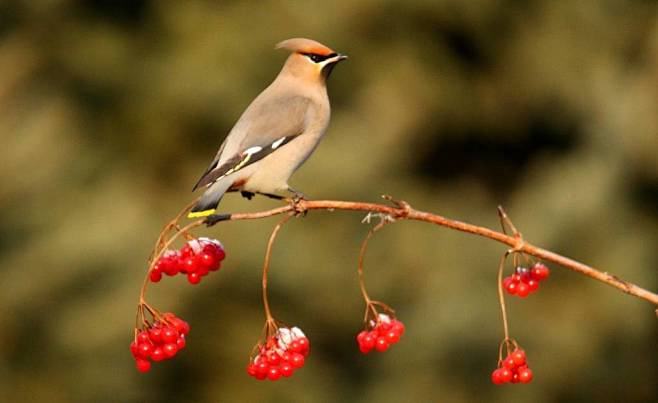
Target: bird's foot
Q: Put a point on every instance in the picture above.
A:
(296, 202)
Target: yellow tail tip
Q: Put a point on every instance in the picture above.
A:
(197, 214)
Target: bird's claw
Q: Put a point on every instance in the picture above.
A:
(296, 202)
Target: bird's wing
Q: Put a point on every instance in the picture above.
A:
(264, 128)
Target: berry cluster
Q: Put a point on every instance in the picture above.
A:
(196, 259)
(281, 355)
(513, 368)
(526, 280)
(383, 333)
(161, 341)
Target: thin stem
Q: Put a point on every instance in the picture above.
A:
(505, 222)
(266, 266)
(501, 294)
(362, 253)
(171, 224)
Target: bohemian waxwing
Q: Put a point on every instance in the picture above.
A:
(277, 132)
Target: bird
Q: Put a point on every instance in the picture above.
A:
(277, 132)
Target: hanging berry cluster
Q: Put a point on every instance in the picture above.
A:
(280, 355)
(382, 330)
(382, 334)
(159, 336)
(526, 280)
(514, 368)
(196, 259)
(159, 341)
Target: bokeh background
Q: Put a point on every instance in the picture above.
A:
(110, 110)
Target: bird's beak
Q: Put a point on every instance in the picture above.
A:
(338, 58)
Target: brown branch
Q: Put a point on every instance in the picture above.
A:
(402, 211)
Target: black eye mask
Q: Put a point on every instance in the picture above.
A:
(319, 58)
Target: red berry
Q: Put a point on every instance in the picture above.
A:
(262, 367)
(186, 251)
(158, 354)
(170, 349)
(180, 325)
(509, 362)
(273, 373)
(505, 374)
(251, 370)
(518, 356)
(304, 345)
(295, 347)
(169, 334)
(189, 265)
(296, 360)
(206, 259)
(369, 340)
(392, 336)
(384, 327)
(522, 290)
(540, 272)
(144, 349)
(133, 349)
(155, 334)
(180, 342)
(495, 377)
(169, 265)
(398, 327)
(286, 369)
(533, 284)
(381, 344)
(194, 278)
(220, 253)
(273, 358)
(512, 287)
(143, 337)
(523, 272)
(155, 275)
(143, 365)
(525, 375)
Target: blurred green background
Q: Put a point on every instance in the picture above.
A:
(110, 111)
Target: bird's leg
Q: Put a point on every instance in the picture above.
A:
(294, 201)
(297, 195)
(247, 195)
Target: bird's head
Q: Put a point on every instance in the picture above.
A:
(310, 59)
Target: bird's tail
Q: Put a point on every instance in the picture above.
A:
(207, 204)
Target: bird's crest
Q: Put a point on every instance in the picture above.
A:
(303, 45)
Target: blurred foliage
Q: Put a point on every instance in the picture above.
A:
(109, 111)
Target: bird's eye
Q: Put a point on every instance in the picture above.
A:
(318, 58)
